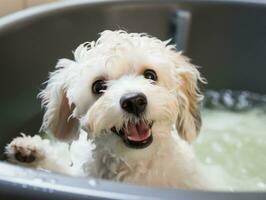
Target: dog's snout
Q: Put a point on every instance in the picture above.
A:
(134, 103)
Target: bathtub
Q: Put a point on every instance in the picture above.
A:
(226, 38)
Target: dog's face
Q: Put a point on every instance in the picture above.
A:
(122, 85)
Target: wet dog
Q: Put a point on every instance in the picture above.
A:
(137, 98)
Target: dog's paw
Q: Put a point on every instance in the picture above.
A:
(25, 149)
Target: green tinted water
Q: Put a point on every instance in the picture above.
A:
(232, 147)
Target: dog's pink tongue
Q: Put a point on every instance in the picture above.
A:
(137, 132)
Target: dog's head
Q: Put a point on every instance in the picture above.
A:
(122, 84)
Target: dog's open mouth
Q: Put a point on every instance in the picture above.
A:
(136, 135)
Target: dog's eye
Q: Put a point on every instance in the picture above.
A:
(150, 74)
(98, 86)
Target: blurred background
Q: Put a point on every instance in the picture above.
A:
(9, 6)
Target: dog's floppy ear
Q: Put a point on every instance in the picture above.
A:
(188, 122)
(58, 119)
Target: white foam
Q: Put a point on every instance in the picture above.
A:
(232, 145)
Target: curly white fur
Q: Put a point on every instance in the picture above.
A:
(120, 59)
(72, 159)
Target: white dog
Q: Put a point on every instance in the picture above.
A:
(137, 98)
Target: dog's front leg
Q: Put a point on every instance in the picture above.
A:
(35, 152)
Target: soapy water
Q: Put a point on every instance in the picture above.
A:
(232, 142)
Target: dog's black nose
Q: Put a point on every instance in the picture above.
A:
(134, 103)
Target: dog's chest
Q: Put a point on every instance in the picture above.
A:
(167, 163)
(154, 171)
(109, 166)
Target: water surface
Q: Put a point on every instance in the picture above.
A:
(232, 142)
